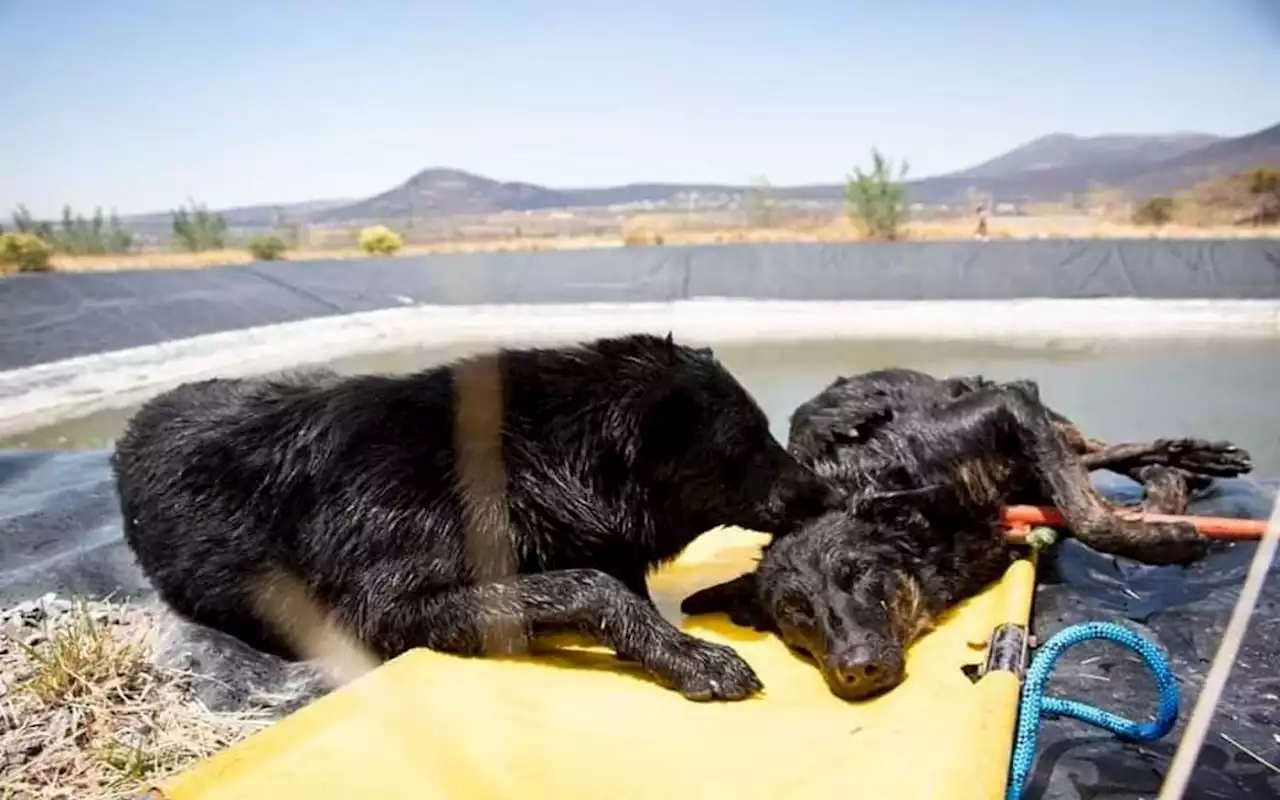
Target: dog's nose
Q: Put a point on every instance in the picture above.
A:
(861, 673)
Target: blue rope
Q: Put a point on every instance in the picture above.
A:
(1034, 702)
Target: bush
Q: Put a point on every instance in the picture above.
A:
(877, 199)
(1264, 185)
(267, 248)
(24, 252)
(1155, 211)
(1264, 180)
(379, 240)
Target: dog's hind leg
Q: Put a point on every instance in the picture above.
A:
(1008, 413)
(501, 617)
(1165, 490)
(1171, 469)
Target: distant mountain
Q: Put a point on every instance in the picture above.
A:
(1152, 165)
(1065, 150)
(1046, 169)
(439, 191)
(1223, 157)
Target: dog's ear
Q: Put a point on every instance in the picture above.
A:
(855, 428)
(737, 598)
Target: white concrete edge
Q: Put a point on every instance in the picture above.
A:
(49, 393)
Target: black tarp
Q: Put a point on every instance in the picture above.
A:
(60, 532)
(60, 315)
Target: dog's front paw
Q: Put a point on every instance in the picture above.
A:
(701, 670)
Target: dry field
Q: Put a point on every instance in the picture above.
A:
(85, 714)
(676, 229)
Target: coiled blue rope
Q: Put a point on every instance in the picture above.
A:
(1034, 703)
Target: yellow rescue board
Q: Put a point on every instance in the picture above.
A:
(580, 724)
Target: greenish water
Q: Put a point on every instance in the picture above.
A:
(1124, 391)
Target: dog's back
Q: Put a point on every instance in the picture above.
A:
(878, 432)
(368, 489)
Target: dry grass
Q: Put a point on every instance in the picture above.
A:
(217, 258)
(84, 714)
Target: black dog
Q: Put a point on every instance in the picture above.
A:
(468, 508)
(928, 464)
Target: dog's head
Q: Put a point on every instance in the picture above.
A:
(703, 434)
(839, 590)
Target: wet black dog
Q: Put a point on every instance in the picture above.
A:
(468, 508)
(928, 464)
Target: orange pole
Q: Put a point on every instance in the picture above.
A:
(1019, 517)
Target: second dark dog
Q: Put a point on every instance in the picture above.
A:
(468, 508)
(928, 464)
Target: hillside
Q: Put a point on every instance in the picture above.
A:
(1065, 150)
(1043, 170)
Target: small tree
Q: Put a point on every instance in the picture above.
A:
(760, 204)
(24, 252)
(877, 199)
(379, 240)
(119, 240)
(199, 229)
(1155, 211)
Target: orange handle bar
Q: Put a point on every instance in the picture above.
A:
(1213, 527)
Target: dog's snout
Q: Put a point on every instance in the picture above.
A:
(861, 673)
(855, 675)
(811, 496)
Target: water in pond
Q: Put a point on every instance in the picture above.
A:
(1121, 391)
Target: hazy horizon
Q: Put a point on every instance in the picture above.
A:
(139, 104)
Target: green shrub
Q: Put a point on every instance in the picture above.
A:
(379, 240)
(1155, 211)
(267, 248)
(877, 199)
(24, 252)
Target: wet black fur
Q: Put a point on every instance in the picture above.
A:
(928, 464)
(613, 456)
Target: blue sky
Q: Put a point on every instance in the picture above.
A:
(139, 104)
